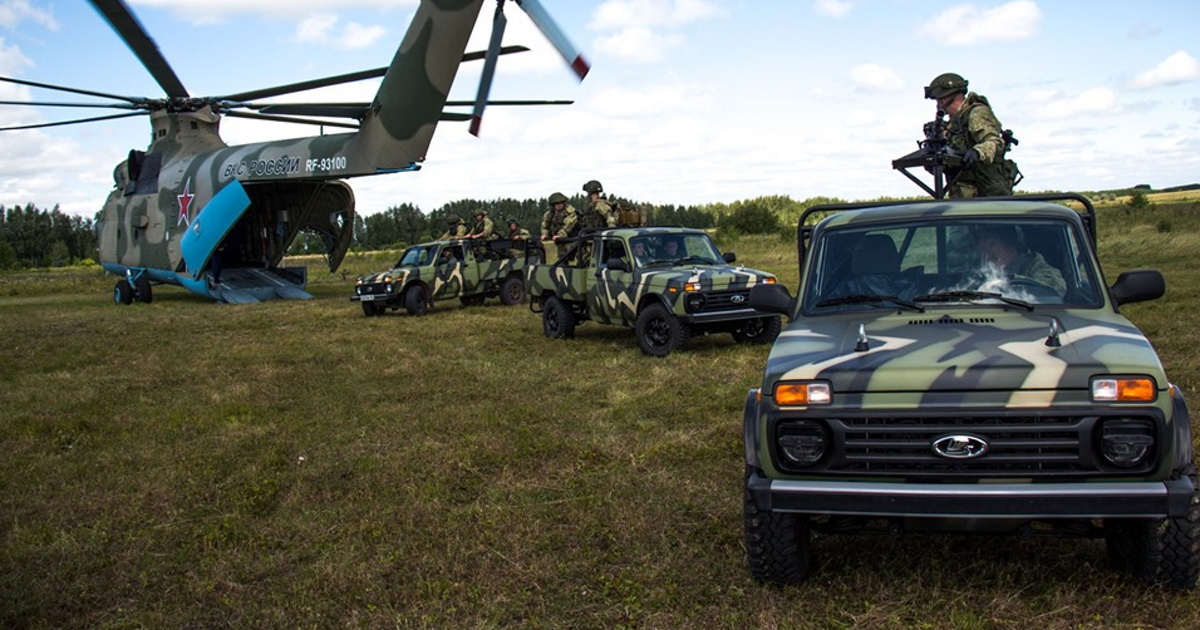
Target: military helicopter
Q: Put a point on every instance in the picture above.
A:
(216, 219)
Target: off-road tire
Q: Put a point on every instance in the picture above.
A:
(759, 331)
(778, 545)
(371, 309)
(415, 302)
(143, 291)
(1159, 551)
(659, 331)
(558, 322)
(512, 291)
(123, 292)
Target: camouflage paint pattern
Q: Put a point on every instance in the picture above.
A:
(294, 184)
(616, 297)
(442, 281)
(959, 359)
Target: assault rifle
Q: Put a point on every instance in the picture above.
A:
(935, 156)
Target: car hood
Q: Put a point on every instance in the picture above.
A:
(378, 277)
(709, 277)
(961, 351)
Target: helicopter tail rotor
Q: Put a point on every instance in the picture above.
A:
(540, 18)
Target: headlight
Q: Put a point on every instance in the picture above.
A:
(1123, 389)
(694, 302)
(803, 393)
(1126, 442)
(802, 442)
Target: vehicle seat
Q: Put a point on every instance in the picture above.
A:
(875, 267)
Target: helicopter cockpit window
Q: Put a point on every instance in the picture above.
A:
(143, 173)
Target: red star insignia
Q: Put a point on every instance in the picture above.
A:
(185, 203)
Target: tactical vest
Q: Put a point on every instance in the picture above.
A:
(993, 178)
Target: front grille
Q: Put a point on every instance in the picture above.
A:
(373, 289)
(725, 300)
(1021, 444)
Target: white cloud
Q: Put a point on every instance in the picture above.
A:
(1178, 68)
(624, 14)
(319, 28)
(1049, 105)
(638, 45)
(13, 12)
(832, 8)
(968, 24)
(876, 78)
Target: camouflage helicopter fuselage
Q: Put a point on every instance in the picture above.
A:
(961, 366)
(291, 186)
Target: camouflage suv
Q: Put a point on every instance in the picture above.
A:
(444, 270)
(665, 283)
(962, 366)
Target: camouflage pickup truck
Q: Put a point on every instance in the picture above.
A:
(961, 366)
(444, 270)
(666, 283)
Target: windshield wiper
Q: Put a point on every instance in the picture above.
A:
(864, 298)
(953, 296)
(659, 261)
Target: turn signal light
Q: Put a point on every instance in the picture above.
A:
(1124, 389)
(790, 394)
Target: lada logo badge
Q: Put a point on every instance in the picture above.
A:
(960, 446)
(738, 299)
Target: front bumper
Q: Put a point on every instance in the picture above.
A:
(711, 317)
(1149, 499)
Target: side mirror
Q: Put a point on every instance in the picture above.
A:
(729, 257)
(616, 264)
(772, 298)
(1138, 285)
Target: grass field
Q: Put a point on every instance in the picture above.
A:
(297, 465)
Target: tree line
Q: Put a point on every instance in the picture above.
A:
(32, 237)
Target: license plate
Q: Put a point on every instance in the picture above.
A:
(367, 298)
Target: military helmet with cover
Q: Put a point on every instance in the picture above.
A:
(558, 198)
(944, 85)
(511, 220)
(593, 186)
(453, 219)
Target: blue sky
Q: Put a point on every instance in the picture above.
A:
(688, 101)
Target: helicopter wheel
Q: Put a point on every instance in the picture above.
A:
(123, 292)
(144, 293)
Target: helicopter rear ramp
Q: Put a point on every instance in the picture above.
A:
(251, 284)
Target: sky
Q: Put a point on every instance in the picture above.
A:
(688, 101)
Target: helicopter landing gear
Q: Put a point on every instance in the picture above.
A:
(133, 287)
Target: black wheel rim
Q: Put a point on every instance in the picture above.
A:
(658, 332)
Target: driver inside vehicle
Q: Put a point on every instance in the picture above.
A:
(1003, 253)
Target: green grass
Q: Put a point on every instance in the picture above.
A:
(297, 465)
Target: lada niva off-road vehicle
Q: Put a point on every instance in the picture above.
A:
(668, 284)
(962, 366)
(444, 270)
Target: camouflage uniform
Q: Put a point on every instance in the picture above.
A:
(560, 225)
(601, 214)
(519, 237)
(1031, 265)
(457, 229)
(976, 127)
(484, 228)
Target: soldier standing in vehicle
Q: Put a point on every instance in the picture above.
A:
(559, 223)
(975, 134)
(600, 212)
(482, 231)
(519, 237)
(456, 228)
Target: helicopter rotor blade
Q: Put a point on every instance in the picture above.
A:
(83, 105)
(499, 23)
(140, 101)
(77, 121)
(349, 77)
(546, 24)
(143, 47)
(285, 119)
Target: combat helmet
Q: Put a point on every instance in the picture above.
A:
(511, 220)
(453, 219)
(593, 186)
(945, 85)
(558, 198)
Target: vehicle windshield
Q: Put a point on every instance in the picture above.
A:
(416, 256)
(973, 260)
(675, 249)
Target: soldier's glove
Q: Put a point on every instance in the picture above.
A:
(970, 158)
